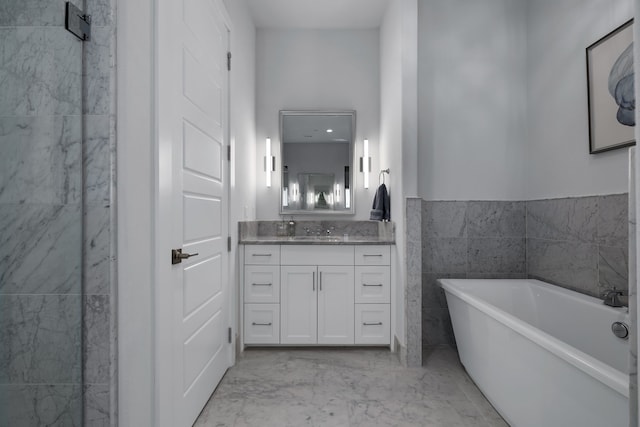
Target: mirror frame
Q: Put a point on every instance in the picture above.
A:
(352, 144)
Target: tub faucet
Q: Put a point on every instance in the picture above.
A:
(612, 297)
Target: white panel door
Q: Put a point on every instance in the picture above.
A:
(193, 204)
(298, 305)
(335, 305)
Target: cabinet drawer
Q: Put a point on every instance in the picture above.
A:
(373, 324)
(373, 255)
(262, 323)
(372, 284)
(262, 254)
(261, 284)
(317, 255)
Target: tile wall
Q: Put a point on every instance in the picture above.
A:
(577, 243)
(40, 216)
(99, 328)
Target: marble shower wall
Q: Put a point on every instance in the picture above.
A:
(577, 243)
(40, 216)
(99, 114)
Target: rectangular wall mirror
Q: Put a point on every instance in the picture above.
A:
(317, 162)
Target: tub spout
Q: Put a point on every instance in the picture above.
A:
(612, 297)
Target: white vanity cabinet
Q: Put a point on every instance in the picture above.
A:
(261, 292)
(317, 294)
(373, 295)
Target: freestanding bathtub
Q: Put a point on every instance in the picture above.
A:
(543, 356)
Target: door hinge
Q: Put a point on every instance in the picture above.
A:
(230, 336)
(77, 22)
(229, 244)
(229, 61)
(229, 152)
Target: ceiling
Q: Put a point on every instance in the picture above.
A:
(318, 14)
(313, 128)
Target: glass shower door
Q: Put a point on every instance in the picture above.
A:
(40, 216)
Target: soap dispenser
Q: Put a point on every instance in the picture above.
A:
(291, 227)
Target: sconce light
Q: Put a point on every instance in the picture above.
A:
(365, 163)
(285, 185)
(269, 161)
(347, 188)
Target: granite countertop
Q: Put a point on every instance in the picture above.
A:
(316, 233)
(313, 240)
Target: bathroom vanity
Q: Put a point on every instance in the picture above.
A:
(316, 290)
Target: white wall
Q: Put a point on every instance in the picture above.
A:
(558, 162)
(243, 138)
(243, 107)
(472, 99)
(315, 69)
(398, 128)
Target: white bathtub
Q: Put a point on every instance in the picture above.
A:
(543, 356)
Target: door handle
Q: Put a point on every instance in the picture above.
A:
(177, 256)
(320, 286)
(313, 282)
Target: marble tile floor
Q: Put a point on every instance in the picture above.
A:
(347, 387)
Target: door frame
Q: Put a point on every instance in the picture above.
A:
(139, 260)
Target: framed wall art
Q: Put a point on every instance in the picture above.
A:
(610, 90)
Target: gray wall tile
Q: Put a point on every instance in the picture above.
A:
(572, 264)
(97, 75)
(96, 405)
(97, 271)
(496, 219)
(444, 255)
(40, 405)
(444, 219)
(17, 13)
(40, 336)
(613, 220)
(40, 160)
(40, 249)
(613, 267)
(572, 219)
(436, 327)
(499, 255)
(96, 336)
(41, 72)
(97, 160)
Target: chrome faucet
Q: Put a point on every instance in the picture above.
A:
(612, 297)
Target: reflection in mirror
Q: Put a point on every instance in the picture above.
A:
(317, 154)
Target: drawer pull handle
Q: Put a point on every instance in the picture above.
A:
(261, 284)
(372, 323)
(364, 284)
(320, 287)
(372, 255)
(261, 324)
(261, 254)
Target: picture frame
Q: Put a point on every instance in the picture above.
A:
(610, 90)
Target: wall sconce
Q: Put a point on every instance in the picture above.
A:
(365, 163)
(269, 161)
(347, 189)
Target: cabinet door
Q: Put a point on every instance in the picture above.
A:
(335, 305)
(298, 305)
